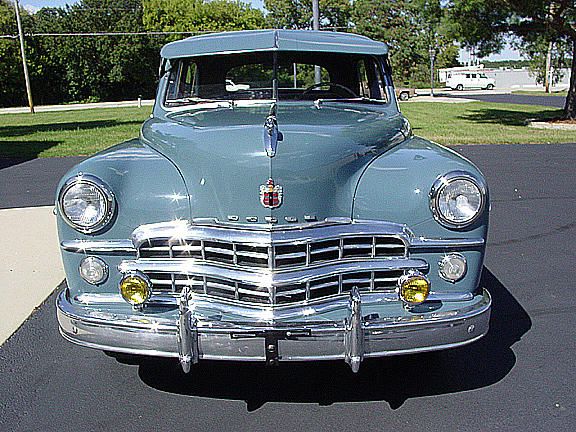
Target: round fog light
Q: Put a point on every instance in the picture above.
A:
(93, 270)
(414, 288)
(452, 267)
(135, 288)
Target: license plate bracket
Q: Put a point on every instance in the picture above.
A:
(271, 339)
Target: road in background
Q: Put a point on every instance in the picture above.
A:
(510, 98)
(78, 106)
(32, 183)
(517, 378)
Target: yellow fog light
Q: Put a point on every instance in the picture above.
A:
(414, 288)
(135, 288)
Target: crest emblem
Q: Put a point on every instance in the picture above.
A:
(270, 194)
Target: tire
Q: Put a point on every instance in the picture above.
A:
(404, 96)
(459, 87)
(490, 87)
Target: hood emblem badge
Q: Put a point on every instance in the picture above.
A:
(271, 134)
(271, 195)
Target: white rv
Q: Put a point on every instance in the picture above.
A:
(469, 80)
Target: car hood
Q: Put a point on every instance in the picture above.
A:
(221, 155)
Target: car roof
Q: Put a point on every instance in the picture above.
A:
(273, 40)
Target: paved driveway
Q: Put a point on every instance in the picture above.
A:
(521, 99)
(519, 377)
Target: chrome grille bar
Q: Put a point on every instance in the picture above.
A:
(320, 287)
(282, 256)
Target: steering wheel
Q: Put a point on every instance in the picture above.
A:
(346, 91)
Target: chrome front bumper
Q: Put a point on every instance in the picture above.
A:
(191, 339)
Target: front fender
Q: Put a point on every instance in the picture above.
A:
(147, 186)
(396, 188)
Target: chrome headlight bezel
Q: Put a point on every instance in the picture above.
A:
(444, 180)
(103, 189)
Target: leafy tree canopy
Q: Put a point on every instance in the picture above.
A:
(485, 24)
(297, 14)
(201, 15)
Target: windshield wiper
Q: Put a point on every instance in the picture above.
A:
(363, 100)
(194, 101)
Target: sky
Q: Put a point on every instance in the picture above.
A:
(507, 53)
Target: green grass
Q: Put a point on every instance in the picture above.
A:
(483, 123)
(540, 93)
(68, 133)
(71, 133)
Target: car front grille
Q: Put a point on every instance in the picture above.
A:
(171, 284)
(281, 256)
(271, 267)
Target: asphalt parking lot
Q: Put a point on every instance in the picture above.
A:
(510, 98)
(519, 377)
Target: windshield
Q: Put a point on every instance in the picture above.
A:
(284, 76)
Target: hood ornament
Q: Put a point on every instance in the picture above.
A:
(271, 195)
(271, 134)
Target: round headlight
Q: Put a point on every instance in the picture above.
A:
(457, 199)
(86, 203)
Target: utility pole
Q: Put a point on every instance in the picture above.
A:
(22, 51)
(316, 26)
(548, 73)
(432, 55)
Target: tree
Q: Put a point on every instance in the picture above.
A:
(82, 68)
(12, 89)
(486, 24)
(200, 15)
(297, 14)
(537, 51)
(411, 28)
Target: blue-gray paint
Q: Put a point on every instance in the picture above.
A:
(342, 159)
(273, 40)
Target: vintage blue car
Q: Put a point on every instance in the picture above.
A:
(289, 216)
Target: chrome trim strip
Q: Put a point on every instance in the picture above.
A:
(264, 277)
(126, 246)
(437, 243)
(247, 235)
(98, 246)
(264, 313)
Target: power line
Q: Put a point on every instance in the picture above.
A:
(95, 34)
(146, 33)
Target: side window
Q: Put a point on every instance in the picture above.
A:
(183, 81)
(363, 80)
(474, 75)
(370, 80)
(468, 76)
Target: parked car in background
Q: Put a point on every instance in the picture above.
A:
(233, 87)
(469, 80)
(405, 93)
(293, 220)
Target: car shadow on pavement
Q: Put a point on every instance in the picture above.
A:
(11, 131)
(392, 379)
(17, 152)
(508, 117)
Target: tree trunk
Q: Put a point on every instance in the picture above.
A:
(570, 107)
